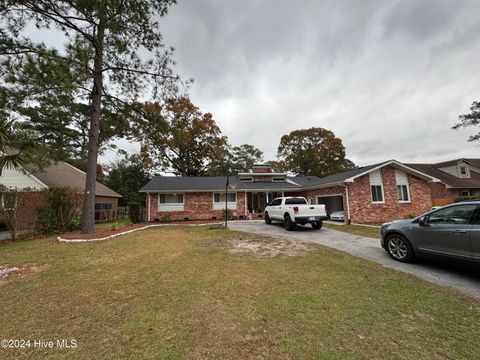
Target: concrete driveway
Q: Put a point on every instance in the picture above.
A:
(463, 278)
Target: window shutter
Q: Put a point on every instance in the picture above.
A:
(375, 177)
(401, 177)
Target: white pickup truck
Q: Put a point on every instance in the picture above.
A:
(295, 210)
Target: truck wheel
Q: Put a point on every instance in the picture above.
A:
(317, 225)
(287, 222)
(268, 221)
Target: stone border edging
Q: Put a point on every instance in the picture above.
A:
(126, 232)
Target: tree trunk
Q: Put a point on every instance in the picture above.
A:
(88, 212)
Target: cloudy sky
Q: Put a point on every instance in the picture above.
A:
(388, 77)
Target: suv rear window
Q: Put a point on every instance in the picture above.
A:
(295, 201)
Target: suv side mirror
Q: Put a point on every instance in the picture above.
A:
(423, 221)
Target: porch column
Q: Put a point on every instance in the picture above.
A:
(148, 207)
(348, 219)
(246, 207)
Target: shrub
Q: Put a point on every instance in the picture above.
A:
(61, 209)
(134, 212)
(229, 214)
(75, 223)
(410, 216)
(166, 217)
(114, 225)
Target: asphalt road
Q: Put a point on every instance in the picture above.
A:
(458, 276)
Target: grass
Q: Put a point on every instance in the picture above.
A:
(370, 231)
(164, 294)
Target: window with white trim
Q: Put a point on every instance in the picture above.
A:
(463, 171)
(9, 201)
(376, 187)
(403, 190)
(246, 178)
(465, 193)
(278, 178)
(170, 202)
(220, 197)
(171, 198)
(219, 201)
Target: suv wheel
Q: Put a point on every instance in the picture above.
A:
(399, 248)
(287, 222)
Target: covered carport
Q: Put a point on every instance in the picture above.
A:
(332, 203)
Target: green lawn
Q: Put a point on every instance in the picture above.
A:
(175, 293)
(370, 231)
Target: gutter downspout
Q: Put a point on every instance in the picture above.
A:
(349, 221)
(148, 207)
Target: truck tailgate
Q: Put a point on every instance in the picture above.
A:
(311, 210)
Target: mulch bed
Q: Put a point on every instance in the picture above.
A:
(120, 229)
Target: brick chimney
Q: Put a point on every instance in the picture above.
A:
(262, 168)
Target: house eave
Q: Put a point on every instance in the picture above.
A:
(220, 190)
(399, 165)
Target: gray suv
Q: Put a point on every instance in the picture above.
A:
(452, 231)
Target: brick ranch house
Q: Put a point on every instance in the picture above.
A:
(59, 174)
(459, 177)
(371, 194)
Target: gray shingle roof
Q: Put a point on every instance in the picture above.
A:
(204, 183)
(473, 161)
(346, 175)
(455, 182)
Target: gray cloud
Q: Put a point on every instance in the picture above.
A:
(388, 77)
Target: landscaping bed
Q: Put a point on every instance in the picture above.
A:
(117, 230)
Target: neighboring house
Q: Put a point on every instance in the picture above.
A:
(371, 194)
(58, 174)
(459, 177)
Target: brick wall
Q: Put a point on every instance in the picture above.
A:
(200, 205)
(362, 210)
(26, 209)
(440, 191)
(360, 199)
(34, 199)
(197, 206)
(442, 196)
(106, 214)
(262, 169)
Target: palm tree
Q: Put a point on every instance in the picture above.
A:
(16, 147)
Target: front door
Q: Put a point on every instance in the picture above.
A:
(447, 232)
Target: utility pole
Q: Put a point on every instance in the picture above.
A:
(226, 202)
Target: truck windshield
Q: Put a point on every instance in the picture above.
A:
(295, 201)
